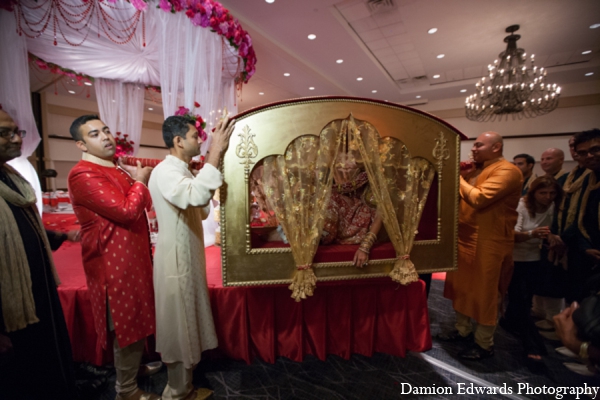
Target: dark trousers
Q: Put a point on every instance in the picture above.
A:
(517, 317)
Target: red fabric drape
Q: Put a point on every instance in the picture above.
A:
(342, 318)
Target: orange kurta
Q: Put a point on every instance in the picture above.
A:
(486, 222)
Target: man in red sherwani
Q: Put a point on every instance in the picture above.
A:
(110, 206)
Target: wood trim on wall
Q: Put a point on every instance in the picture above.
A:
(74, 112)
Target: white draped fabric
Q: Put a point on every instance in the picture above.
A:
(98, 56)
(121, 108)
(191, 62)
(15, 96)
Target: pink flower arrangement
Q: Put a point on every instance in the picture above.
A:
(193, 119)
(124, 145)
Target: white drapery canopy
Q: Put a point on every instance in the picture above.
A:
(190, 63)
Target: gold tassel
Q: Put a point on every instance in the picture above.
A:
(404, 271)
(303, 284)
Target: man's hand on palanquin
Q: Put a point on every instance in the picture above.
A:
(220, 141)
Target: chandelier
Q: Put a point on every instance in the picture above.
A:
(511, 87)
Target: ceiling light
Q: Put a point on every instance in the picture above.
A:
(512, 86)
(359, 78)
(373, 91)
(441, 55)
(286, 74)
(87, 83)
(261, 93)
(594, 26)
(311, 88)
(72, 92)
(586, 52)
(432, 31)
(418, 97)
(339, 61)
(436, 76)
(270, 1)
(312, 37)
(589, 74)
(150, 109)
(463, 90)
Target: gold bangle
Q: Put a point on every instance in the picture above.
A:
(583, 350)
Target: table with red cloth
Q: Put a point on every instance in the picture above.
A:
(342, 318)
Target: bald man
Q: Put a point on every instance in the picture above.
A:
(489, 195)
(552, 164)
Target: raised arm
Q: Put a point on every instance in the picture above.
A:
(500, 184)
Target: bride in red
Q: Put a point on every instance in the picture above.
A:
(351, 216)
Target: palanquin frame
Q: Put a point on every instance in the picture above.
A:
(268, 130)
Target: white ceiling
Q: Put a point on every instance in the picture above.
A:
(393, 53)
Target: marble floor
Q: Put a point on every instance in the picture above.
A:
(438, 373)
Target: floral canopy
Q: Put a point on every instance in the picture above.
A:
(194, 50)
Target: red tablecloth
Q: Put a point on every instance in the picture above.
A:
(342, 318)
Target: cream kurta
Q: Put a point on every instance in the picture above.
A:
(184, 323)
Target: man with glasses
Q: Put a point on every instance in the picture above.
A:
(587, 147)
(35, 352)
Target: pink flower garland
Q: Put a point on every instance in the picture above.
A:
(58, 70)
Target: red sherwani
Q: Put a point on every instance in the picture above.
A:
(116, 250)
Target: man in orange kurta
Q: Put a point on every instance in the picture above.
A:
(489, 195)
(116, 252)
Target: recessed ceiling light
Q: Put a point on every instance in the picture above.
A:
(72, 92)
(339, 61)
(261, 93)
(312, 37)
(589, 74)
(373, 91)
(418, 97)
(286, 74)
(270, 1)
(432, 31)
(359, 78)
(150, 109)
(436, 76)
(463, 90)
(87, 83)
(586, 52)
(594, 26)
(311, 88)
(441, 55)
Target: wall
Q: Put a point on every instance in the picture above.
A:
(574, 114)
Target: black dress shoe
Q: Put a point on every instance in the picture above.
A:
(475, 352)
(88, 371)
(454, 336)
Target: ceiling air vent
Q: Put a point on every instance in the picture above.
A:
(380, 6)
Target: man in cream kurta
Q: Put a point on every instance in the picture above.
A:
(184, 324)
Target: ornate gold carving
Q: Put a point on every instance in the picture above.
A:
(246, 149)
(273, 128)
(441, 152)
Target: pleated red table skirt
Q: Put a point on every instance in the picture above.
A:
(342, 318)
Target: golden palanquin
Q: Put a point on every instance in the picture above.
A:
(272, 130)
